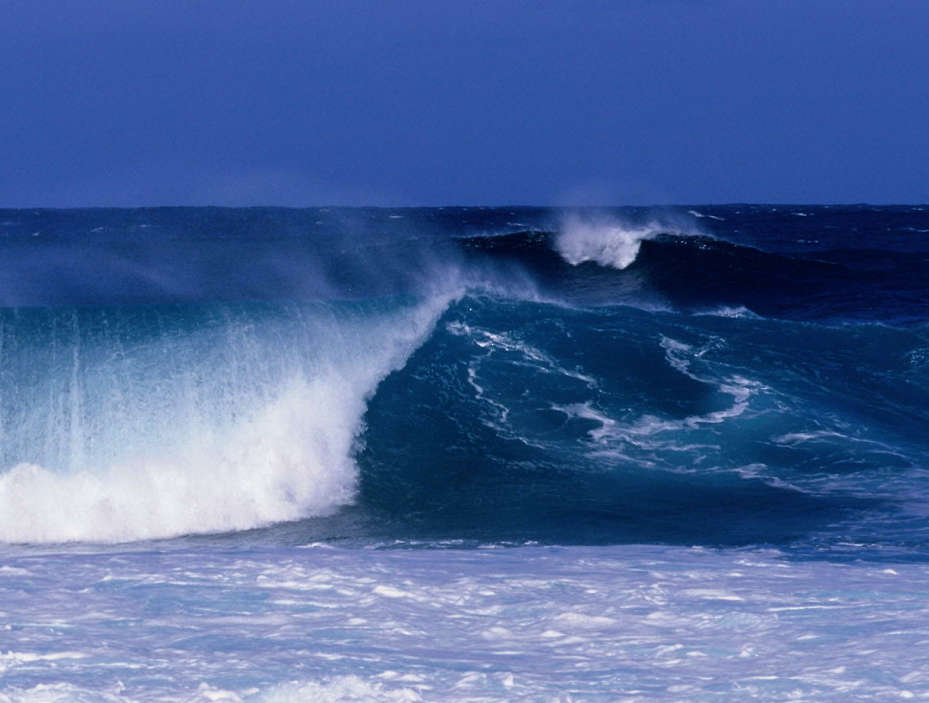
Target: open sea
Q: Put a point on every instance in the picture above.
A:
(464, 454)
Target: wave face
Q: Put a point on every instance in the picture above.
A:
(618, 425)
(739, 375)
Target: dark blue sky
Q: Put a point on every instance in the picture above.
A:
(426, 102)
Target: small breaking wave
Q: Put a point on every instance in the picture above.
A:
(606, 241)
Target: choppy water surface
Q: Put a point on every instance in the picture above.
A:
(464, 454)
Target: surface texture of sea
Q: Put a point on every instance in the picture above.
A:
(464, 454)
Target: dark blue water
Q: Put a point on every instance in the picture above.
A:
(718, 376)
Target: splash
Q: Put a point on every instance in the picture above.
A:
(605, 240)
(140, 426)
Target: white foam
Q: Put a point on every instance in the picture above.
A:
(587, 412)
(603, 241)
(269, 438)
(644, 431)
(11, 658)
(339, 689)
(514, 625)
(503, 342)
(13, 571)
(608, 241)
(726, 311)
(700, 215)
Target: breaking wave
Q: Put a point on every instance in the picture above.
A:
(138, 423)
(604, 380)
(605, 241)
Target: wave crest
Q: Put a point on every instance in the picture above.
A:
(605, 241)
(198, 431)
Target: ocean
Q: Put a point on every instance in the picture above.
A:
(464, 454)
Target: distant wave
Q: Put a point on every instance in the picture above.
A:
(652, 260)
(604, 240)
(657, 267)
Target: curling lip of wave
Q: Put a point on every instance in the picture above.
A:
(261, 424)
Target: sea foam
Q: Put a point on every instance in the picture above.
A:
(221, 426)
(604, 242)
(608, 241)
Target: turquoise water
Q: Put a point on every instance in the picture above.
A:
(459, 454)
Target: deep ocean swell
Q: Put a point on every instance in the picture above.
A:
(467, 376)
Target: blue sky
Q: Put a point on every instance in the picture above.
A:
(425, 102)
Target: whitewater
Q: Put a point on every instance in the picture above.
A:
(459, 454)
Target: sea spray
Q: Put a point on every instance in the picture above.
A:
(607, 240)
(148, 423)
